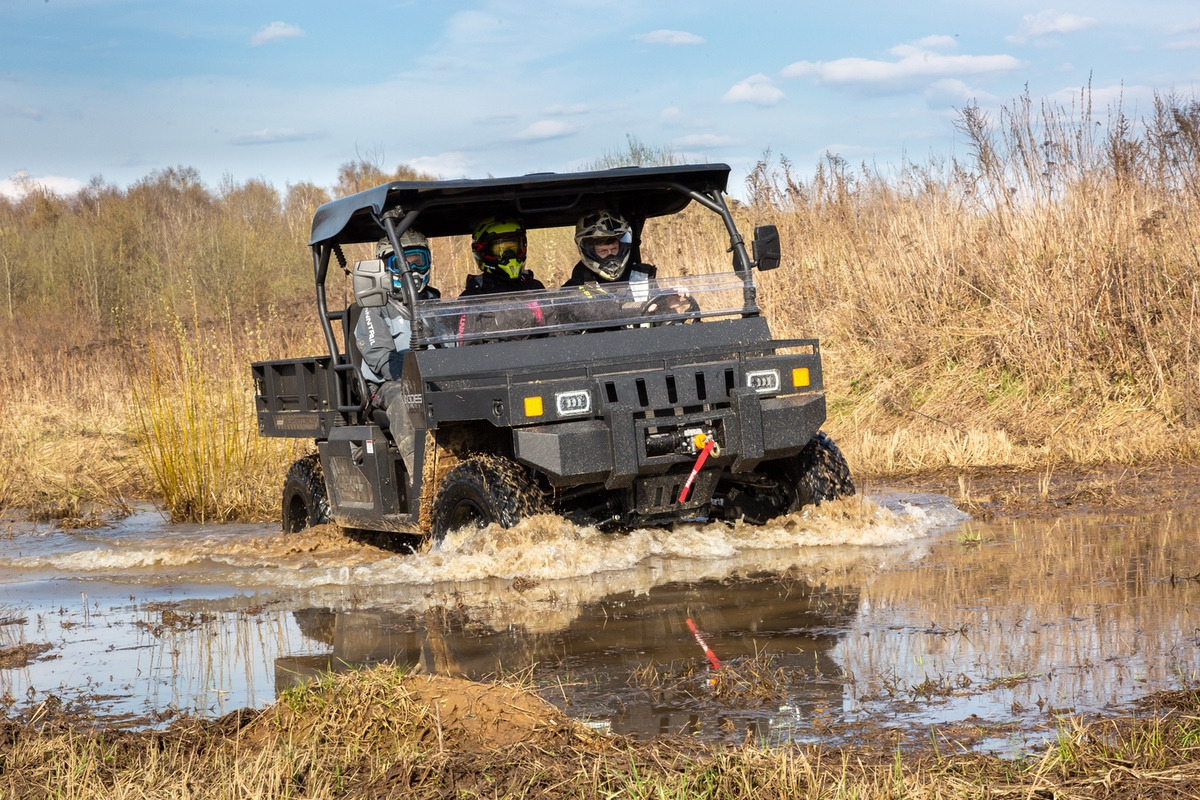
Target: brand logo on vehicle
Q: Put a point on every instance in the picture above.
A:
(577, 402)
(412, 400)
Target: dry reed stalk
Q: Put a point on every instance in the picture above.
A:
(1042, 293)
(192, 410)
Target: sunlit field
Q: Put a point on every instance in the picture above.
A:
(1029, 302)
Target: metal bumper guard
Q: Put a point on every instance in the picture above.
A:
(612, 450)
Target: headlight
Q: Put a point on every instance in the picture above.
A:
(763, 381)
(574, 402)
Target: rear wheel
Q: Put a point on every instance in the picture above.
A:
(305, 501)
(481, 490)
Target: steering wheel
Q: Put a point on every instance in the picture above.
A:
(675, 303)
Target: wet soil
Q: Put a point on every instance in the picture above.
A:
(443, 737)
(475, 724)
(988, 494)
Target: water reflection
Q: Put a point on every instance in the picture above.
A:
(609, 640)
(894, 611)
(1020, 620)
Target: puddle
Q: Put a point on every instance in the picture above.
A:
(894, 610)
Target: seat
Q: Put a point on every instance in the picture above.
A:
(360, 389)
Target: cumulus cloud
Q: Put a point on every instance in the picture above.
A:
(1049, 23)
(276, 30)
(448, 165)
(20, 183)
(274, 136)
(938, 42)
(757, 89)
(545, 129)
(916, 65)
(673, 38)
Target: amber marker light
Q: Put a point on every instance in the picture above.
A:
(800, 377)
(533, 406)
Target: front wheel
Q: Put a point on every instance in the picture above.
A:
(305, 501)
(819, 472)
(481, 490)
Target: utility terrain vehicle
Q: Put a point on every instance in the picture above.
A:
(578, 401)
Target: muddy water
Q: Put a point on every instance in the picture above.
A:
(895, 609)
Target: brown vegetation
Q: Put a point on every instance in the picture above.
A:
(384, 734)
(1031, 306)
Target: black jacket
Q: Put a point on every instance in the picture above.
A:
(581, 274)
(491, 283)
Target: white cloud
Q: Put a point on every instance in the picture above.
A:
(276, 30)
(274, 136)
(757, 89)
(19, 183)
(672, 115)
(1047, 23)
(916, 66)
(673, 38)
(953, 93)
(545, 129)
(1184, 27)
(444, 165)
(938, 42)
(702, 141)
(1183, 44)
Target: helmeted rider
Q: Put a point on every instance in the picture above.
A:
(384, 334)
(605, 242)
(499, 245)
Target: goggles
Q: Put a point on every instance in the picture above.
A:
(506, 248)
(418, 258)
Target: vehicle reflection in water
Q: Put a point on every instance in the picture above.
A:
(904, 617)
(611, 640)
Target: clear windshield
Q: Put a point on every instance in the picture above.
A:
(513, 315)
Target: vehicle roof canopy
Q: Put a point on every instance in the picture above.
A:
(541, 200)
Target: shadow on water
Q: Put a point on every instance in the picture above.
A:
(894, 612)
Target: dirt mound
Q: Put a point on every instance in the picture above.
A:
(391, 710)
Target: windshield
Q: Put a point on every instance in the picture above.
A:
(575, 309)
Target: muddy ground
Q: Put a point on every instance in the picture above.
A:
(988, 494)
(485, 737)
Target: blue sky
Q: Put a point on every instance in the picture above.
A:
(288, 92)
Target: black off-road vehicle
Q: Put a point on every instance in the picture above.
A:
(600, 403)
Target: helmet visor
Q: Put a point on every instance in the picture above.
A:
(505, 248)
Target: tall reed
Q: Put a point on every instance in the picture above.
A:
(192, 410)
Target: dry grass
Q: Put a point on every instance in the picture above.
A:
(192, 411)
(1034, 305)
(380, 734)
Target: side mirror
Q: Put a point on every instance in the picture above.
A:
(766, 247)
(372, 283)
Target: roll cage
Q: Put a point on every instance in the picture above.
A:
(540, 200)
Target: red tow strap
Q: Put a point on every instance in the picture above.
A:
(712, 657)
(687, 486)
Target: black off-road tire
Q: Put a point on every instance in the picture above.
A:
(305, 500)
(819, 472)
(481, 490)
